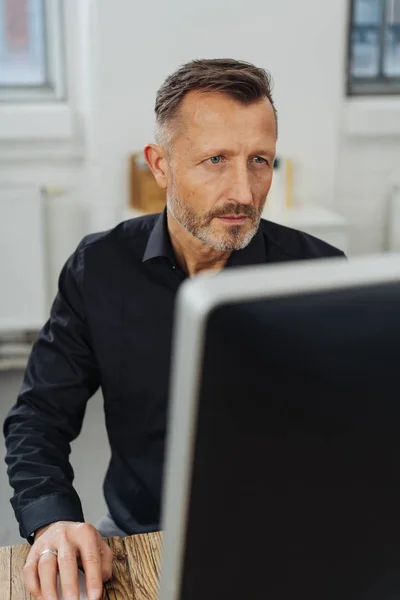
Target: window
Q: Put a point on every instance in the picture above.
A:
(31, 51)
(374, 47)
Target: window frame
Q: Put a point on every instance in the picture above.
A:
(380, 85)
(55, 88)
(53, 130)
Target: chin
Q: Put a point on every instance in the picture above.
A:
(227, 239)
(228, 243)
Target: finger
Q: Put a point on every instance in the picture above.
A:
(31, 574)
(68, 567)
(91, 564)
(47, 570)
(88, 533)
(107, 557)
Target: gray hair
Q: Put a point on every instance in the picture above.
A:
(239, 80)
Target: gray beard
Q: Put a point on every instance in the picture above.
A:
(233, 240)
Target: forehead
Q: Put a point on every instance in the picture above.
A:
(213, 116)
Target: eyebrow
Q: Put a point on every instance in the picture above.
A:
(267, 151)
(218, 151)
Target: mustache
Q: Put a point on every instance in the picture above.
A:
(233, 208)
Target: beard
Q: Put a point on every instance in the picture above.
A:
(200, 224)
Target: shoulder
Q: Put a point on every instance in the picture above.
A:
(134, 230)
(106, 251)
(293, 244)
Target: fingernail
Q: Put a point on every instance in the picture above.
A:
(95, 594)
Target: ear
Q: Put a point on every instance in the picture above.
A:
(156, 159)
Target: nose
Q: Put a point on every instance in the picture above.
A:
(241, 186)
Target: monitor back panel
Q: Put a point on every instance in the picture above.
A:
(295, 490)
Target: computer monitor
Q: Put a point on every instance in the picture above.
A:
(283, 457)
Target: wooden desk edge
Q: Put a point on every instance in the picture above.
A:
(136, 566)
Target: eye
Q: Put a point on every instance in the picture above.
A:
(259, 160)
(216, 160)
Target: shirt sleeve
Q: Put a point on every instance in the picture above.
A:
(61, 375)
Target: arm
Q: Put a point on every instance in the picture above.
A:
(61, 376)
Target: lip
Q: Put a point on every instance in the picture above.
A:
(234, 219)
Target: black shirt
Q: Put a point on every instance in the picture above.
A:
(111, 326)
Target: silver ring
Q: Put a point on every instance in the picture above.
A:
(49, 551)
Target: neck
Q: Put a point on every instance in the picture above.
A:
(192, 255)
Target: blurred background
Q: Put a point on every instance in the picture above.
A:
(78, 80)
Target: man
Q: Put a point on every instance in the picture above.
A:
(111, 322)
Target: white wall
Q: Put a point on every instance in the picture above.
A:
(124, 52)
(301, 43)
(368, 169)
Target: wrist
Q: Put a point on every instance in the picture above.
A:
(41, 530)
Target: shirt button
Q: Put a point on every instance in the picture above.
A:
(173, 266)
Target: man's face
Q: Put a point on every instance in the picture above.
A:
(220, 168)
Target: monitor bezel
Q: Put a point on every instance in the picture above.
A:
(197, 298)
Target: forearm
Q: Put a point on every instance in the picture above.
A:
(62, 374)
(39, 471)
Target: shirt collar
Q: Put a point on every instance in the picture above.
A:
(159, 246)
(159, 243)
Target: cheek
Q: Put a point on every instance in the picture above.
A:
(193, 195)
(268, 183)
(203, 190)
(261, 185)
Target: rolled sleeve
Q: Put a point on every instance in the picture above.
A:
(49, 509)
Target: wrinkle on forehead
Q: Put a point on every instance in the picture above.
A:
(213, 119)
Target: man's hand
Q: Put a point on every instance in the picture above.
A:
(73, 542)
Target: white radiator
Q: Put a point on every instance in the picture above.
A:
(23, 278)
(37, 234)
(66, 223)
(394, 221)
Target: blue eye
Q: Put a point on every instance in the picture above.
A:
(260, 160)
(215, 160)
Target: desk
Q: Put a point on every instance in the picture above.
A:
(136, 569)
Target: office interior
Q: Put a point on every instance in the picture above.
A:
(78, 80)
